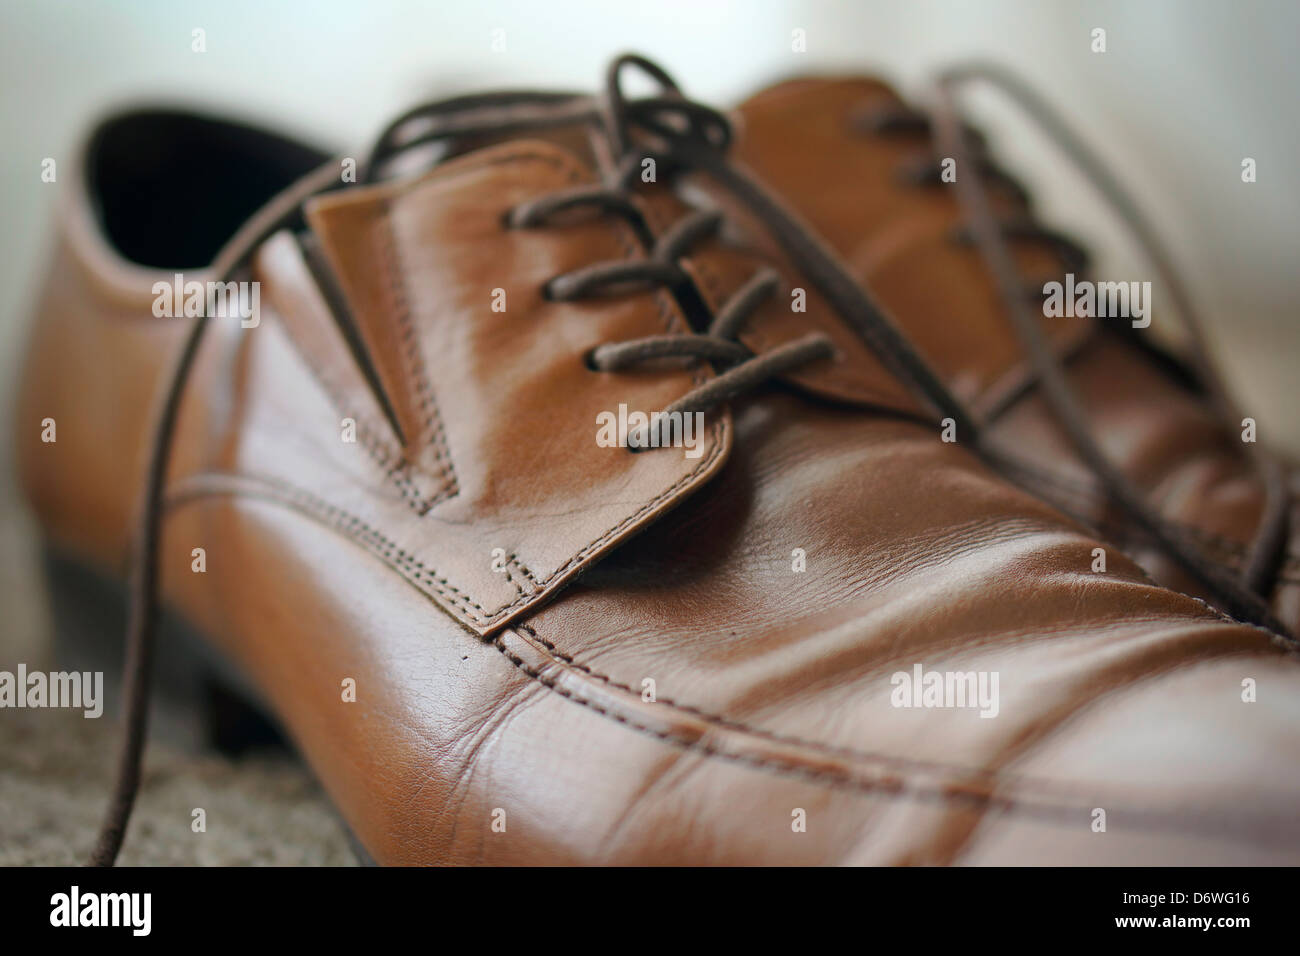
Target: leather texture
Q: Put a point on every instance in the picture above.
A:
(524, 690)
(897, 238)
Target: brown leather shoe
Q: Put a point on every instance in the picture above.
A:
(1083, 410)
(812, 631)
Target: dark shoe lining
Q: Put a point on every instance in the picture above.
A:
(170, 188)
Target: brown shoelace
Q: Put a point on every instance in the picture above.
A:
(682, 136)
(1242, 596)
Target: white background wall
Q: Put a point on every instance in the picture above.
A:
(1186, 89)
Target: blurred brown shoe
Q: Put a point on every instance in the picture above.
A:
(1072, 396)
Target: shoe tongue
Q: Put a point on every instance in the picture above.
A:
(806, 138)
(864, 90)
(577, 139)
(464, 125)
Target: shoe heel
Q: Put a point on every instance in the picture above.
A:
(198, 700)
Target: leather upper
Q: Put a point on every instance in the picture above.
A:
(897, 237)
(525, 690)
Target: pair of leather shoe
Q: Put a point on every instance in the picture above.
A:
(940, 578)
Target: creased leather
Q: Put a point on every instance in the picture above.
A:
(771, 686)
(843, 180)
(488, 399)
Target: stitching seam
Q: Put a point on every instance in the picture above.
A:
(311, 504)
(1058, 809)
(272, 490)
(431, 427)
(419, 574)
(387, 455)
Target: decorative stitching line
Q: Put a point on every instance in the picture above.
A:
(387, 455)
(784, 739)
(513, 561)
(1061, 811)
(891, 785)
(789, 740)
(623, 235)
(275, 491)
(276, 488)
(419, 574)
(431, 426)
(209, 484)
